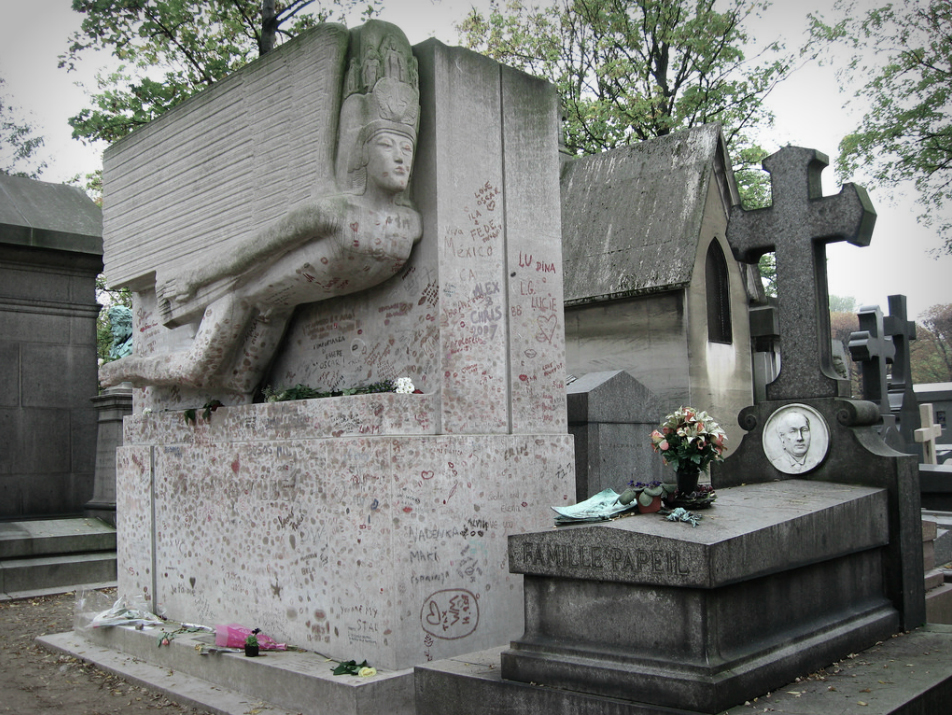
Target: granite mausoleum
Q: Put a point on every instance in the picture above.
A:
(50, 254)
(369, 526)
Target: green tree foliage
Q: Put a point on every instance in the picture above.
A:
(767, 266)
(632, 70)
(170, 49)
(842, 304)
(902, 60)
(19, 143)
(931, 352)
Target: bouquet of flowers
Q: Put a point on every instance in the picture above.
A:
(689, 440)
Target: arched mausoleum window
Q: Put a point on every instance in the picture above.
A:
(718, 296)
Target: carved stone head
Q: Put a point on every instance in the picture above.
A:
(381, 98)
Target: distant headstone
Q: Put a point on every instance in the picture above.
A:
(870, 347)
(902, 396)
(874, 351)
(611, 415)
(112, 405)
(765, 338)
(927, 434)
(797, 227)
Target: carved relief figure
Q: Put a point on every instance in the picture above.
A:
(337, 245)
(796, 439)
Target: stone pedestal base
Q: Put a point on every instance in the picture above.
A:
(111, 407)
(337, 525)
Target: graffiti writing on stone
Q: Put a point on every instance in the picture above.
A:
(450, 614)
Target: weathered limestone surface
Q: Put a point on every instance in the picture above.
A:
(390, 548)
(375, 526)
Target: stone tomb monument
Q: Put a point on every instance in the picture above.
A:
(804, 428)
(811, 560)
(370, 526)
(50, 254)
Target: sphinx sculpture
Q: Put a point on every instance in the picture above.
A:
(338, 244)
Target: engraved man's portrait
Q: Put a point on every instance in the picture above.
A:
(796, 439)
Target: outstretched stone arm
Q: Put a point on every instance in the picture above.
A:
(181, 295)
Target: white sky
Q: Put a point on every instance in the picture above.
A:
(808, 107)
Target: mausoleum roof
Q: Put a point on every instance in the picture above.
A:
(631, 217)
(38, 214)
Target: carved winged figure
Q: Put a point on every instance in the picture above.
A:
(338, 244)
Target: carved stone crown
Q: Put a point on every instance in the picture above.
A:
(381, 93)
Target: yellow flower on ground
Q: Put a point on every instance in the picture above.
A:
(367, 672)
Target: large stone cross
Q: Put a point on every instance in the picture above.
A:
(870, 347)
(797, 227)
(927, 434)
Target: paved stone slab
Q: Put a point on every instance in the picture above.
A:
(177, 686)
(909, 674)
(750, 531)
(301, 681)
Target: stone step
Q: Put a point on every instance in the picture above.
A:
(45, 537)
(179, 687)
(20, 577)
(295, 680)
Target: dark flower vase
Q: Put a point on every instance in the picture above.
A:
(251, 650)
(687, 481)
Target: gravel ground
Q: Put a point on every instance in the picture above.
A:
(34, 681)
